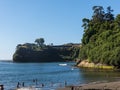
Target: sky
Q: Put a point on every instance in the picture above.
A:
(57, 21)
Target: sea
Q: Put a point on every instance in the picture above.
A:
(51, 75)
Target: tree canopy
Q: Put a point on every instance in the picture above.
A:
(40, 42)
(101, 38)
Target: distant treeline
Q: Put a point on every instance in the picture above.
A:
(101, 38)
(39, 52)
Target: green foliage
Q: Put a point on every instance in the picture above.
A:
(40, 42)
(101, 38)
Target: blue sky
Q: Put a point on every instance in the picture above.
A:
(57, 21)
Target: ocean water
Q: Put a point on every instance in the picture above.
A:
(52, 75)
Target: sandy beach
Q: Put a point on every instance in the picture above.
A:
(95, 86)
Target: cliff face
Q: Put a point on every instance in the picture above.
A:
(48, 55)
(24, 53)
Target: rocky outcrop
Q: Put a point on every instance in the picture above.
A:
(87, 64)
(32, 53)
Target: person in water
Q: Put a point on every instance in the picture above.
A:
(65, 83)
(18, 85)
(42, 85)
(23, 84)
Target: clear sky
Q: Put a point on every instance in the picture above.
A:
(57, 21)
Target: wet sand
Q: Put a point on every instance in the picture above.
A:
(95, 86)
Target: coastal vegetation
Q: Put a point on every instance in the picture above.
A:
(39, 52)
(100, 43)
(101, 38)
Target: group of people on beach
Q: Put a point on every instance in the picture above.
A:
(19, 85)
(23, 84)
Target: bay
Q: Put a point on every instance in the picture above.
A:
(50, 73)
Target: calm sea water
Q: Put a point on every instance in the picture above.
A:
(50, 74)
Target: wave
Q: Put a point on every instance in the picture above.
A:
(63, 64)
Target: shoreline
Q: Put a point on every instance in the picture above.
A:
(114, 85)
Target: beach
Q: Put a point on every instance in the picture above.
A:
(95, 86)
(90, 86)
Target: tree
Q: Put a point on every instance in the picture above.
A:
(85, 23)
(98, 13)
(40, 42)
(109, 16)
(101, 38)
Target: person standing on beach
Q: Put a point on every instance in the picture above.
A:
(72, 88)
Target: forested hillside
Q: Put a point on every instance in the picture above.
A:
(101, 38)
